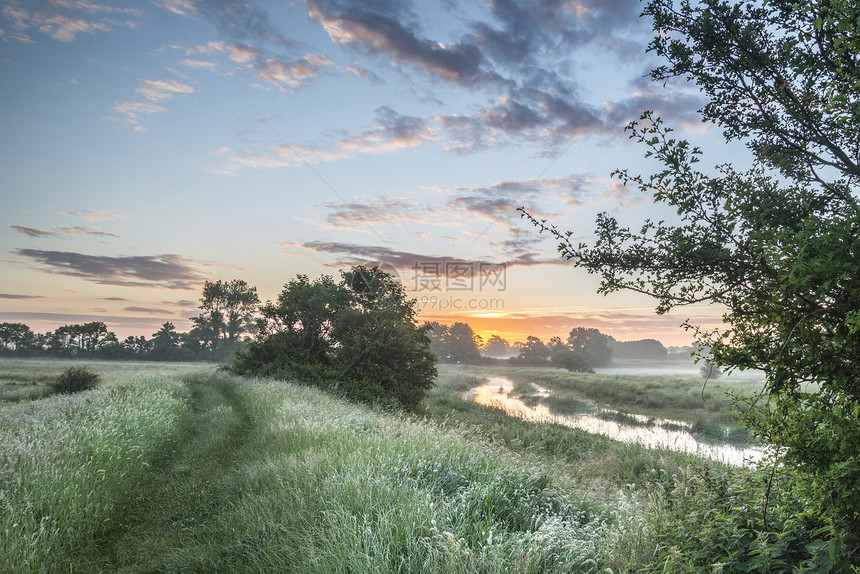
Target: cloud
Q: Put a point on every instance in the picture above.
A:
(33, 232)
(156, 271)
(387, 210)
(393, 132)
(678, 106)
(241, 22)
(293, 74)
(19, 297)
(85, 230)
(148, 310)
(65, 20)
(350, 254)
(252, 40)
(208, 48)
(499, 201)
(240, 53)
(151, 91)
(160, 90)
(181, 7)
(58, 231)
(90, 215)
(131, 111)
(198, 64)
(389, 28)
(520, 51)
(532, 114)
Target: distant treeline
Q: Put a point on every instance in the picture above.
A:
(225, 323)
(584, 348)
(456, 343)
(93, 340)
(229, 320)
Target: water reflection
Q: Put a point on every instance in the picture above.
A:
(647, 431)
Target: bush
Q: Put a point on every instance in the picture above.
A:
(733, 520)
(710, 371)
(75, 380)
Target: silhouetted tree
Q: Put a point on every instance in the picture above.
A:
(227, 313)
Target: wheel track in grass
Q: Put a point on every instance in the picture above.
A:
(184, 486)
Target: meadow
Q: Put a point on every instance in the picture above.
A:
(172, 467)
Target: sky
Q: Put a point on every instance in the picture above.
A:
(148, 147)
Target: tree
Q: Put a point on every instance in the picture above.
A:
(305, 311)
(641, 349)
(557, 344)
(165, 342)
(591, 344)
(533, 352)
(16, 337)
(227, 313)
(436, 332)
(455, 343)
(136, 346)
(462, 344)
(565, 358)
(776, 245)
(85, 338)
(497, 347)
(359, 337)
(382, 352)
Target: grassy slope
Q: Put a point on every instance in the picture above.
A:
(267, 477)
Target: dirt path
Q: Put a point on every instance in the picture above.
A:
(183, 489)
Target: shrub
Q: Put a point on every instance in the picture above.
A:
(710, 371)
(75, 380)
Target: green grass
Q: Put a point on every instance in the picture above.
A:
(163, 469)
(68, 462)
(209, 472)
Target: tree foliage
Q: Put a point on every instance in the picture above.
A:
(641, 349)
(358, 336)
(591, 344)
(456, 343)
(227, 309)
(497, 347)
(571, 360)
(777, 245)
(533, 352)
(16, 337)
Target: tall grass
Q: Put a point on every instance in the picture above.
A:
(68, 462)
(332, 487)
(216, 473)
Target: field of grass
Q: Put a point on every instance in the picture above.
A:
(178, 468)
(207, 472)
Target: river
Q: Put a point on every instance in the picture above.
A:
(651, 432)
